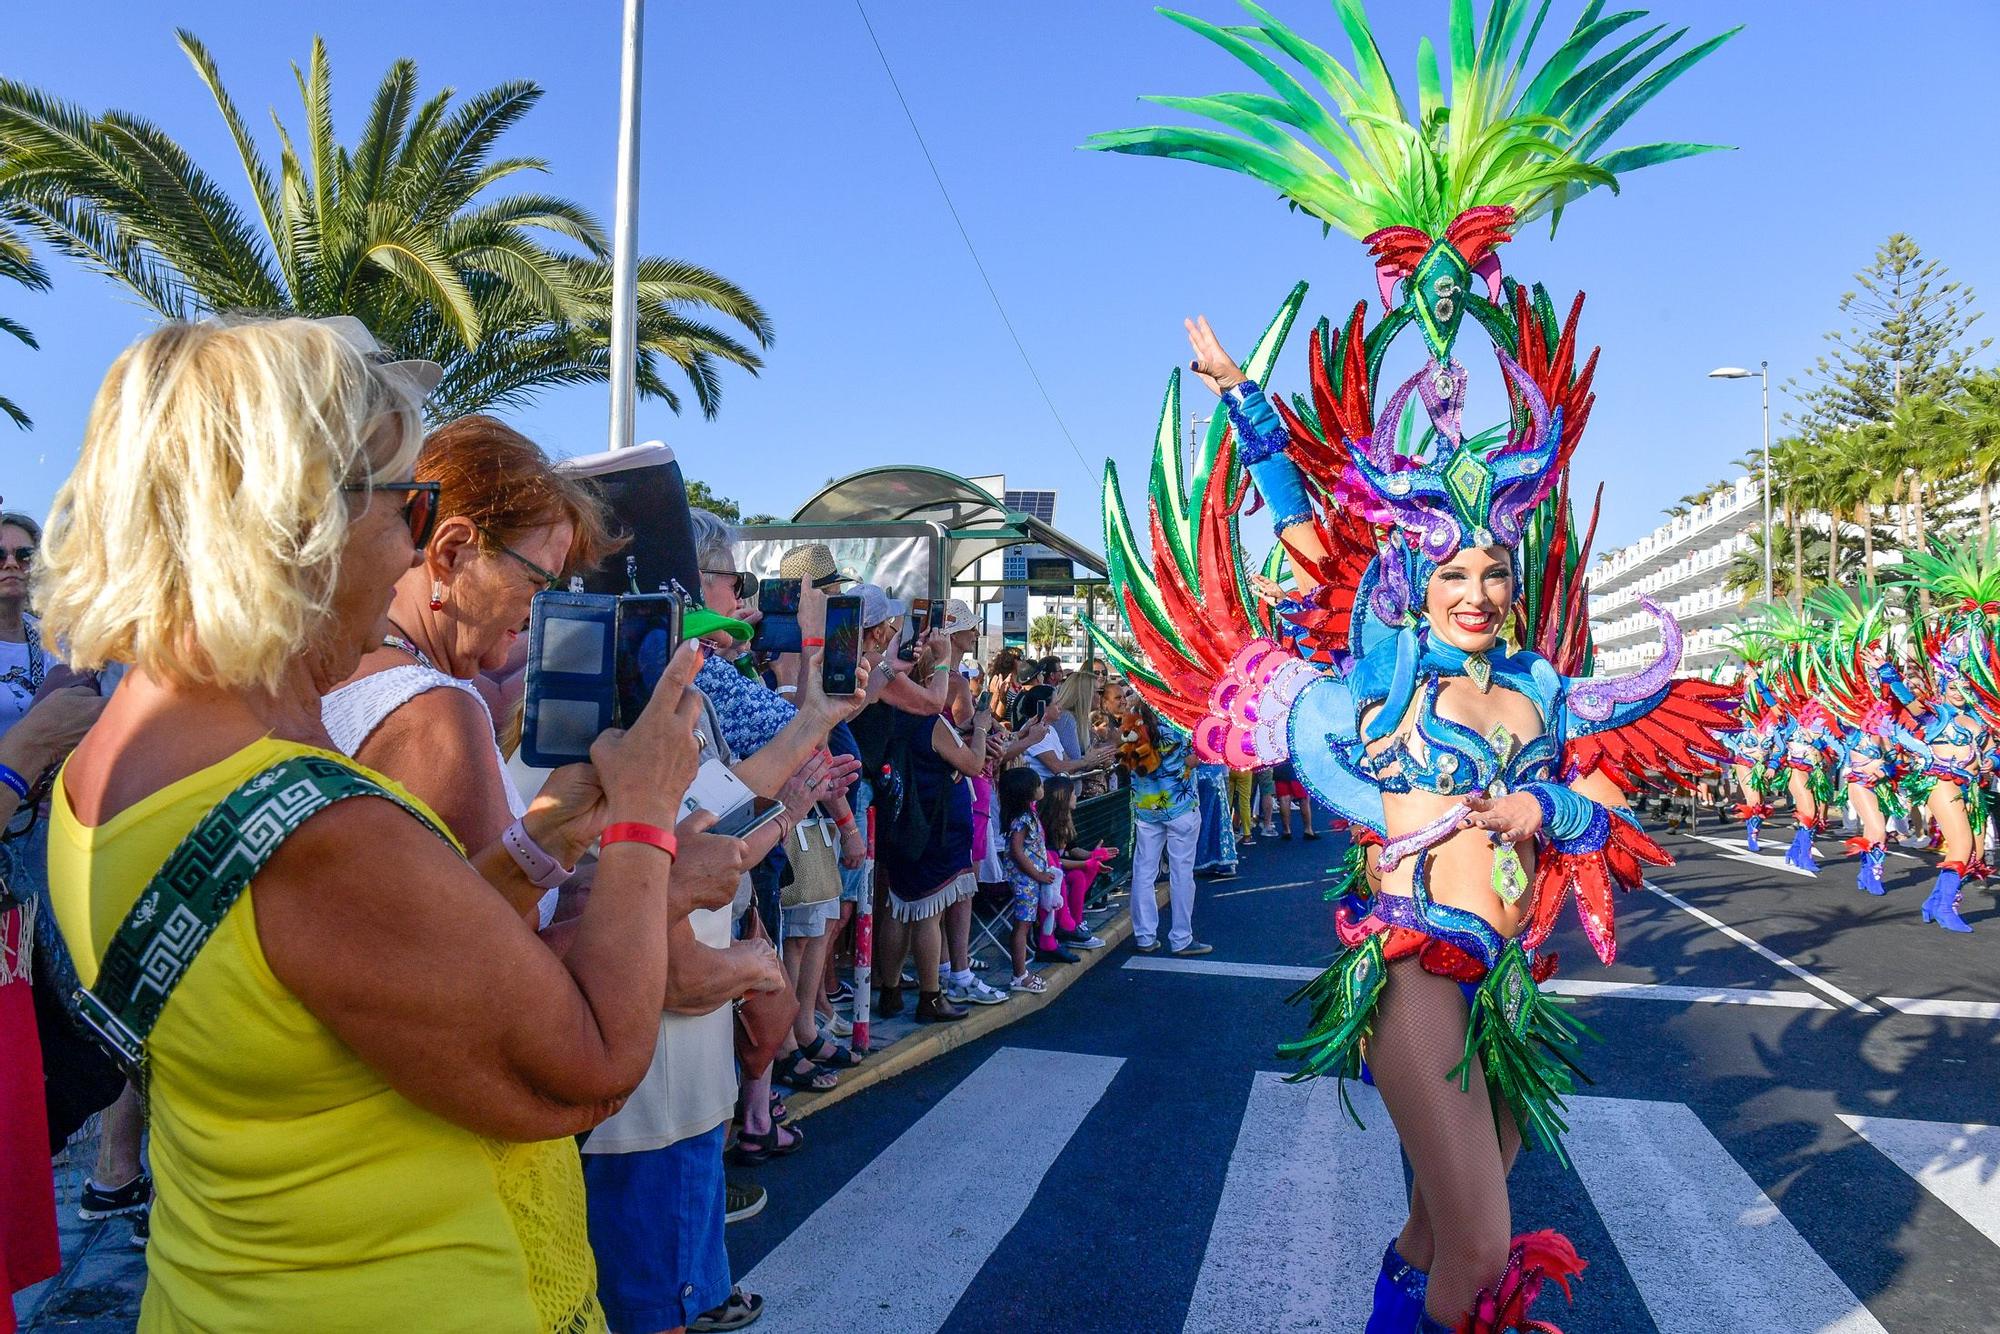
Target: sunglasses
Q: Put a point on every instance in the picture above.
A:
(746, 582)
(420, 511)
(548, 579)
(23, 556)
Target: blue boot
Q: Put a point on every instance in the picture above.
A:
(1942, 906)
(1750, 828)
(1399, 1295)
(1869, 877)
(1800, 853)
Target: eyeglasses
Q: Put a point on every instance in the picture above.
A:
(420, 511)
(745, 582)
(22, 556)
(549, 579)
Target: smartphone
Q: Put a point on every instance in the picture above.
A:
(649, 630)
(920, 619)
(570, 695)
(748, 818)
(778, 621)
(936, 619)
(840, 662)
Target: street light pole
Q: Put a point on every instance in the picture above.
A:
(625, 234)
(1765, 367)
(1738, 373)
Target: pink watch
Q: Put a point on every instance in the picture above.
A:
(542, 870)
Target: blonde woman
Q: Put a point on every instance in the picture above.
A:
(364, 1082)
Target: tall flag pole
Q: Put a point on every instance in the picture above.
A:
(625, 235)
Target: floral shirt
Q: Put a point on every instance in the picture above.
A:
(1168, 792)
(1033, 847)
(751, 712)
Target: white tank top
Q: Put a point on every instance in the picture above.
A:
(353, 712)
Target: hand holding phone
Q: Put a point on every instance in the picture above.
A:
(841, 655)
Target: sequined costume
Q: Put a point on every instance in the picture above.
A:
(1369, 495)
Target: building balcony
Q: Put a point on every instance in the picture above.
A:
(1707, 565)
(1734, 511)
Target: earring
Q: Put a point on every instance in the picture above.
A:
(437, 595)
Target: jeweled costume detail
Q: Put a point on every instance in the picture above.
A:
(1370, 494)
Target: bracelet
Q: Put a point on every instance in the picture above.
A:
(941, 667)
(845, 822)
(812, 643)
(631, 831)
(15, 781)
(542, 870)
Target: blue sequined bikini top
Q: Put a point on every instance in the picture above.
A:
(1949, 728)
(1456, 759)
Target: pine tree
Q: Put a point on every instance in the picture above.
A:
(1909, 339)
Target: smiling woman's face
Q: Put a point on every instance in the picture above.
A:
(1468, 599)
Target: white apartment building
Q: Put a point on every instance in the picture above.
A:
(1681, 566)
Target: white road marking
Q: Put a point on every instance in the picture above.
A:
(1266, 889)
(1944, 1007)
(1308, 1201)
(1581, 987)
(938, 1201)
(1955, 1162)
(1810, 979)
(1736, 852)
(1709, 1252)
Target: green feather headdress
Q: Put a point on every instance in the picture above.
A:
(1349, 152)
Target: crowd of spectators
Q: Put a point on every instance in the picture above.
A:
(458, 1057)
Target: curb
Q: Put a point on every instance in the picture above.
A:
(934, 1040)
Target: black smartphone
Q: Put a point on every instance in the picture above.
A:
(748, 818)
(778, 620)
(649, 630)
(570, 692)
(936, 620)
(920, 619)
(840, 663)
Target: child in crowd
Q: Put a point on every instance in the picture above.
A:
(1028, 868)
(1080, 869)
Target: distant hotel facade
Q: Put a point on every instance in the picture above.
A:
(1681, 566)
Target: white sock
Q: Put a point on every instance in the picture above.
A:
(963, 979)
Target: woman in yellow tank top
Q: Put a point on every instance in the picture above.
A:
(363, 1087)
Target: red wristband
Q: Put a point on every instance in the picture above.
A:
(813, 643)
(650, 834)
(844, 823)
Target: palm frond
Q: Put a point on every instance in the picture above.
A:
(1350, 154)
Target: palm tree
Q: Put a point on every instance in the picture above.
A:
(1048, 632)
(1791, 478)
(17, 263)
(1977, 430)
(510, 293)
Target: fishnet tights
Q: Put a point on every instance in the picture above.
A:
(1460, 1223)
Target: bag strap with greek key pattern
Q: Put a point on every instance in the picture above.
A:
(194, 890)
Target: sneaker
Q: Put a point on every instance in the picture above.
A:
(1089, 943)
(102, 1202)
(1147, 947)
(741, 1310)
(1230, 873)
(1268, 831)
(142, 1229)
(1029, 984)
(743, 1199)
(1192, 948)
(974, 992)
(1056, 955)
(842, 993)
(839, 1025)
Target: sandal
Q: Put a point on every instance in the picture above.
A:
(797, 1072)
(779, 1112)
(740, 1311)
(756, 1150)
(839, 1058)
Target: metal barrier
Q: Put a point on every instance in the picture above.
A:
(1107, 819)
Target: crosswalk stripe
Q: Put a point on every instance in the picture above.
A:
(1952, 1161)
(1709, 1252)
(1739, 853)
(936, 1198)
(1580, 987)
(1309, 1203)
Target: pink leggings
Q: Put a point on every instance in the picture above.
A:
(1076, 887)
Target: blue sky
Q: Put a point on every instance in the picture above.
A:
(776, 153)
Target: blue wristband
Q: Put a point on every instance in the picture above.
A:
(1260, 432)
(1568, 816)
(15, 781)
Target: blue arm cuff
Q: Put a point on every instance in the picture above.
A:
(1572, 822)
(1260, 432)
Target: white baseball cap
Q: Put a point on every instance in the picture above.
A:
(877, 606)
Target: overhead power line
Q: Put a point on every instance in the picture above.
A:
(971, 249)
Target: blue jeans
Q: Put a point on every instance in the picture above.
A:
(656, 1221)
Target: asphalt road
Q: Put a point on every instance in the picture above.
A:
(1778, 1138)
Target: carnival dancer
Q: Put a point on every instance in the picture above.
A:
(1963, 581)
(1483, 771)
(1877, 748)
(1756, 754)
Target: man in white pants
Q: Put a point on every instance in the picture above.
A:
(1166, 816)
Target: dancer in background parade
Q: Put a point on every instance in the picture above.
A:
(1491, 774)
